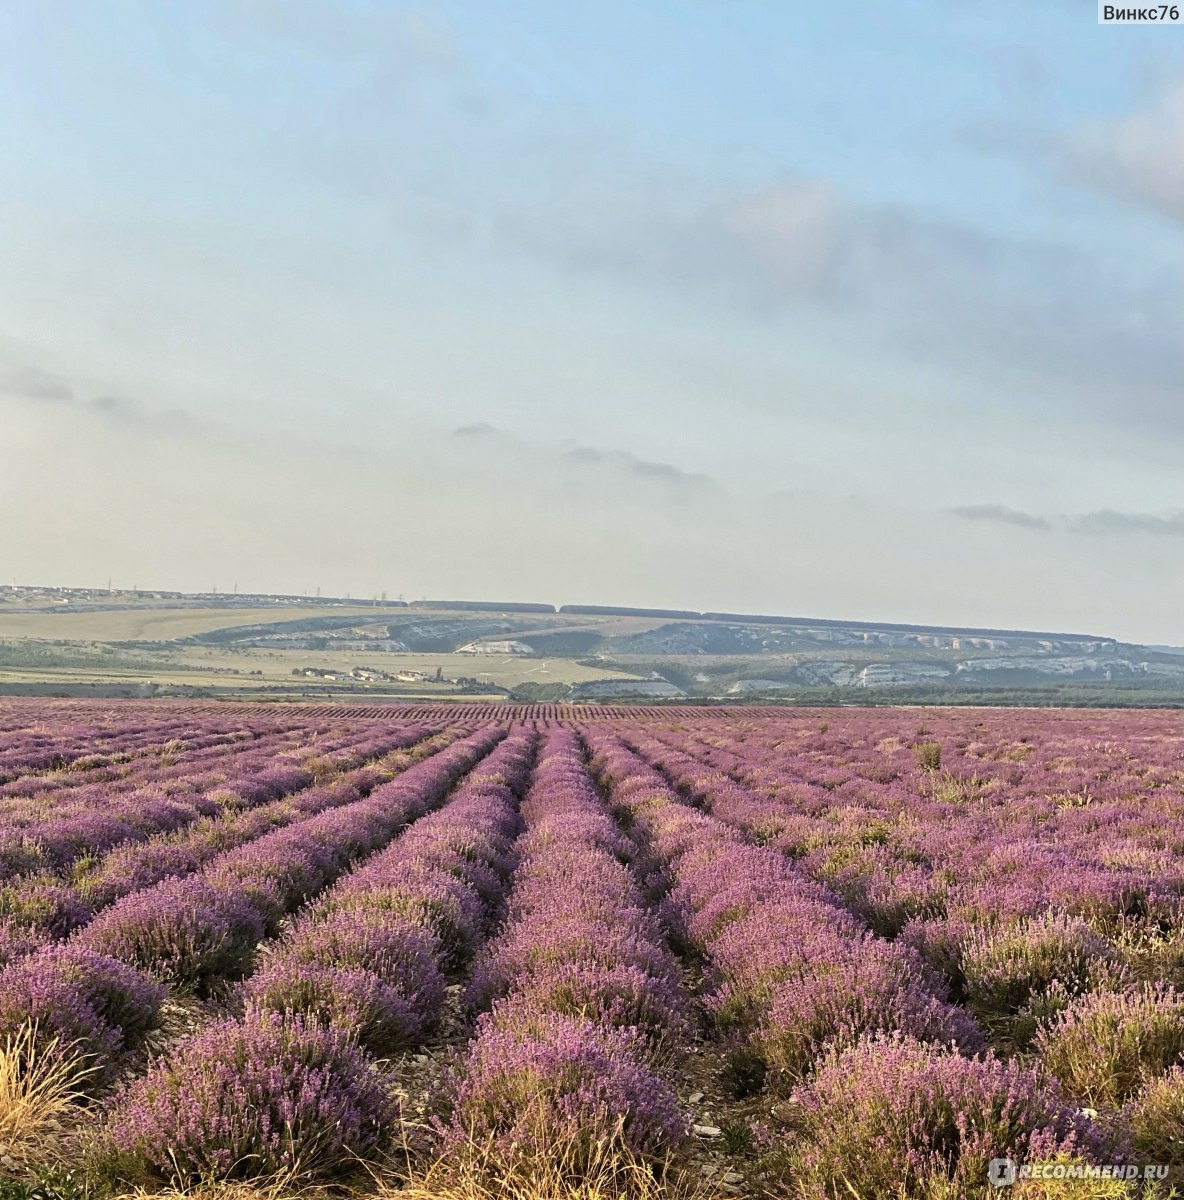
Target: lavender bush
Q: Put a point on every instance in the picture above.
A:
(252, 1098)
(895, 1117)
(1105, 1045)
(382, 1018)
(122, 997)
(188, 932)
(566, 1082)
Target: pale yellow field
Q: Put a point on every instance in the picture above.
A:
(222, 667)
(157, 624)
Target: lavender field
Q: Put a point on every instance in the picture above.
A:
(479, 951)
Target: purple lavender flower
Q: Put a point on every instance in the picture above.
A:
(381, 1018)
(867, 987)
(402, 955)
(186, 932)
(252, 1098)
(564, 1082)
(122, 997)
(63, 1020)
(894, 1116)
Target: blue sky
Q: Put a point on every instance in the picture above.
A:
(856, 309)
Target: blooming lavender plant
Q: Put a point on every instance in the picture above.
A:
(63, 1022)
(252, 1098)
(563, 1081)
(125, 999)
(1103, 1046)
(359, 1002)
(186, 932)
(404, 956)
(892, 1116)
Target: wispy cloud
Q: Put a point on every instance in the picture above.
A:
(621, 462)
(31, 383)
(915, 289)
(1109, 521)
(1138, 158)
(1000, 514)
(25, 382)
(638, 468)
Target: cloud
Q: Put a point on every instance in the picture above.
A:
(31, 383)
(25, 382)
(651, 225)
(639, 468)
(122, 410)
(1072, 334)
(1000, 514)
(1138, 158)
(1065, 327)
(1108, 521)
(792, 230)
(620, 462)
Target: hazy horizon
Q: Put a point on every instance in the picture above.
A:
(826, 310)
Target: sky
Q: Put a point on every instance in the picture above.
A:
(851, 309)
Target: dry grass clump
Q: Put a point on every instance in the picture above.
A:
(280, 1187)
(606, 1170)
(41, 1083)
(1156, 1115)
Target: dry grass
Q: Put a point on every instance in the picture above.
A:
(606, 1172)
(40, 1088)
(946, 787)
(273, 1189)
(484, 1174)
(1052, 1189)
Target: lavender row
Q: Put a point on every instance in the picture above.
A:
(915, 826)
(293, 1082)
(95, 996)
(203, 928)
(25, 751)
(196, 761)
(40, 911)
(34, 897)
(129, 868)
(1018, 921)
(567, 1066)
(1089, 987)
(97, 820)
(373, 954)
(100, 822)
(797, 971)
(41, 833)
(853, 1026)
(1081, 967)
(193, 764)
(35, 797)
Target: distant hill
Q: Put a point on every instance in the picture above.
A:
(579, 652)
